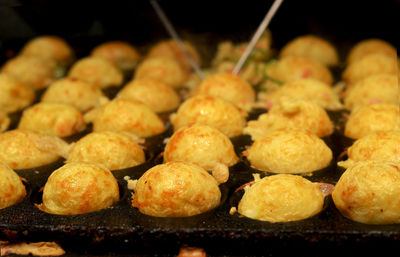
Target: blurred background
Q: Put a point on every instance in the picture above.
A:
(85, 23)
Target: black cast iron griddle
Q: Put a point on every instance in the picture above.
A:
(124, 230)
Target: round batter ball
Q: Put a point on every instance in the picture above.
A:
(228, 87)
(113, 150)
(14, 95)
(75, 92)
(130, 116)
(155, 94)
(176, 189)
(292, 68)
(211, 111)
(281, 198)
(171, 49)
(53, 119)
(202, 145)
(121, 54)
(372, 118)
(291, 113)
(313, 47)
(368, 192)
(34, 72)
(12, 190)
(306, 89)
(371, 46)
(380, 88)
(289, 151)
(49, 47)
(164, 69)
(78, 188)
(19, 150)
(371, 64)
(377, 145)
(96, 71)
(229, 52)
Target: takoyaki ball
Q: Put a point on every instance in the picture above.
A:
(368, 192)
(281, 198)
(211, 111)
(228, 52)
(121, 54)
(113, 150)
(96, 71)
(78, 93)
(78, 188)
(228, 87)
(4, 121)
(291, 113)
(372, 118)
(377, 145)
(171, 49)
(313, 47)
(380, 88)
(306, 89)
(12, 190)
(371, 46)
(35, 72)
(371, 64)
(202, 145)
(129, 116)
(155, 94)
(292, 68)
(14, 95)
(289, 150)
(262, 49)
(50, 47)
(176, 189)
(164, 69)
(53, 119)
(21, 149)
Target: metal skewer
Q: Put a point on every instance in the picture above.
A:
(168, 26)
(267, 19)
